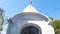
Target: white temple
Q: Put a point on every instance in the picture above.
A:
(30, 21)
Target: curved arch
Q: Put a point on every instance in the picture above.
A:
(40, 15)
(32, 27)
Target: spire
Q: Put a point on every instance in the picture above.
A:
(30, 3)
(30, 8)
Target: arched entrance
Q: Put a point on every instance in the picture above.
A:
(30, 30)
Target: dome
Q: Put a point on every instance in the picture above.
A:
(30, 9)
(30, 13)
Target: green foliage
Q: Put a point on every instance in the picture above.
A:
(1, 28)
(51, 18)
(1, 19)
(1, 10)
(56, 25)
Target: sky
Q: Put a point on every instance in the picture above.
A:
(51, 8)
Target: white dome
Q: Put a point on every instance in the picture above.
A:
(30, 9)
(32, 13)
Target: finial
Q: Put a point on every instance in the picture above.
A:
(30, 3)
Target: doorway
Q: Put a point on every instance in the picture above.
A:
(30, 30)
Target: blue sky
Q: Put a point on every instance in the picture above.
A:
(51, 8)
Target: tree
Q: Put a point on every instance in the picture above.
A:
(51, 18)
(56, 25)
(1, 19)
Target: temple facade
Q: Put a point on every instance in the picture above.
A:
(30, 21)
